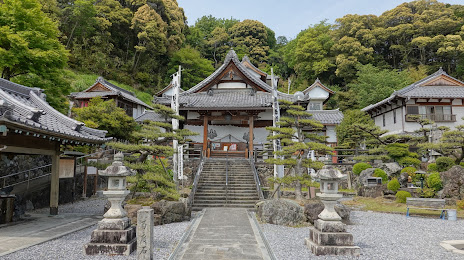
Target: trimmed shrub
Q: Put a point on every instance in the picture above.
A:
(434, 181)
(409, 170)
(402, 195)
(393, 185)
(359, 167)
(408, 161)
(432, 167)
(444, 163)
(426, 192)
(381, 173)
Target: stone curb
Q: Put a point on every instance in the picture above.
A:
(450, 246)
(180, 248)
(254, 223)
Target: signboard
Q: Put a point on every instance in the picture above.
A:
(90, 169)
(180, 162)
(66, 168)
(233, 147)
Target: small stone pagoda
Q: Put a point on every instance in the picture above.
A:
(114, 235)
(329, 236)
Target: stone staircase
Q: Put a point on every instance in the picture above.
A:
(212, 191)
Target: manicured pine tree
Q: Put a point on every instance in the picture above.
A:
(154, 139)
(298, 134)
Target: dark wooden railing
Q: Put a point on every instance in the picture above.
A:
(433, 117)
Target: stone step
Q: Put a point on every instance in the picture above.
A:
(219, 194)
(198, 207)
(223, 197)
(222, 182)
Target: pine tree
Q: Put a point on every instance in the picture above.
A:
(298, 134)
(154, 139)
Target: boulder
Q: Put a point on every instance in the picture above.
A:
(362, 180)
(403, 179)
(312, 210)
(372, 191)
(280, 212)
(132, 211)
(166, 212)
(453, 183)
(391, 168)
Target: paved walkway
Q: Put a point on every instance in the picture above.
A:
(223, 233)
(40, 228)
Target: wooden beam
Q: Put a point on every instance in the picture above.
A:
(250, 143)
(24, 150)
(55, 182)
(205, 132)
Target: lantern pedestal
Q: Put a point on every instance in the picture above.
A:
(114, 234)
(328, 236)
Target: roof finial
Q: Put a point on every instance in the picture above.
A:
(441, 69)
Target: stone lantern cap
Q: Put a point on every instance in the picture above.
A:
(328, 172)
(117, 169)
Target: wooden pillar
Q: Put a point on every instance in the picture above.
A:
(55, 181)
(205, 133)
(250, 142)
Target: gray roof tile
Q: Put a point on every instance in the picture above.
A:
(415, 90)
(327, 116)
(30, 110)
(149, 115)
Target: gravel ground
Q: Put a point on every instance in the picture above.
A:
(379, 235)
(90, 206)
(71, 246)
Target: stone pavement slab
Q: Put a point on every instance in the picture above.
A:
(224, 233)
(40, 228)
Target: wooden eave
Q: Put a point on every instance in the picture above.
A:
(230, 67)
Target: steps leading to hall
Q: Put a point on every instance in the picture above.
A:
(212, 190)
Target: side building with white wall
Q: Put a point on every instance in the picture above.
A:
(438, 97)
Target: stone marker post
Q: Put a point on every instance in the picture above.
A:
(114, 235)
(145, 234)
(329, 236)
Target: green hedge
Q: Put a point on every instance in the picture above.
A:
(402, 195)
(444, 163)
(359, 167)
(381, 173)
(393, 185)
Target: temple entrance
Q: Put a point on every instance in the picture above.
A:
(228, 146)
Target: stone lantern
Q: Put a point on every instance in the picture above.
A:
(114, 235)
(329, 236)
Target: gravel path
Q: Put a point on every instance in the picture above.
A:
(379, 235)
(71, 247)
(90, 206)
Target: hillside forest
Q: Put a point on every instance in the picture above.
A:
(55, 44)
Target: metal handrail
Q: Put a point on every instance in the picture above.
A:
(196, 180)
(227, 175)
(29, 178)
(257, 181)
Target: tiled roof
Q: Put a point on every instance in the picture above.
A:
(29, 111)
(327, 116)
(149, 115)
(226, 99)
(114, 91)
(318, 83)
(417, 90)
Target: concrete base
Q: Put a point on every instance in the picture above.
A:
(330, 239)
(333, 250)
(112, 237)
(329, 226)
(110, 249)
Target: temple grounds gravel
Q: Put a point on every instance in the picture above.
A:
(71, 247)
(379, 235)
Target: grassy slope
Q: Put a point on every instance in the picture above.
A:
(81, 81)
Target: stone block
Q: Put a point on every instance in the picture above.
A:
(110, 249)
(333, 250)
(145, 234)
(114, 224)
(330, 239)
(329, 226)
(113, 236)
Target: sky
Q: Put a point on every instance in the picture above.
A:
(287, 17)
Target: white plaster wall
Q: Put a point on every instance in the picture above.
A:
(318, 93)
(137, 111)
(267, 115)
(193, 115)
(168, 92)
(332, 135)
(229, 85)
(224, 130)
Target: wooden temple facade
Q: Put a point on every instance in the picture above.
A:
(231, 108)
(29, 125)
